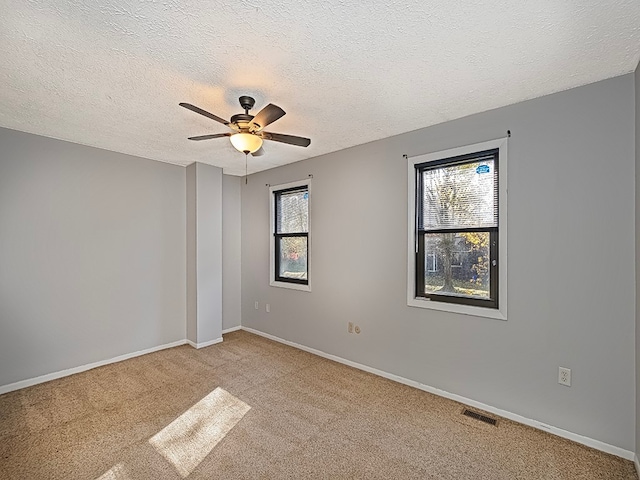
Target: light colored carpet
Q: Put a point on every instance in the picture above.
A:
(252, 408)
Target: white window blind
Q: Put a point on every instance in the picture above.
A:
(460, 196)
(293, 211)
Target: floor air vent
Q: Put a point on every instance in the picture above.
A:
(479, 416)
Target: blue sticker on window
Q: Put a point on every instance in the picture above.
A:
(306, 195)
(482, 169)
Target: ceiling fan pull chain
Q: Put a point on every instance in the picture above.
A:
(246, 155)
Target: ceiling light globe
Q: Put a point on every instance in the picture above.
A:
(246, 142)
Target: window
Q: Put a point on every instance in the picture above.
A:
(290, 235)
(432, 265)
(456, 230)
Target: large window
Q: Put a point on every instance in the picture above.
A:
(456, 230)
(290, 232)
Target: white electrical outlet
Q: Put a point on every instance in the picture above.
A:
(564, 376)
(257, 306)
(268, 308)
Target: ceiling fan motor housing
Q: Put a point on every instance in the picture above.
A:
(242, 120)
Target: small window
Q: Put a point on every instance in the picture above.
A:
(432, 265)
(290, 236)
(456, 231)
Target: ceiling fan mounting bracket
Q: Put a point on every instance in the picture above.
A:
(247, 102)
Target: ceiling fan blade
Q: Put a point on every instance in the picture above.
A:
(193, 108)
(290, 139)
(258, 152)
(209, 137)
(267, 115)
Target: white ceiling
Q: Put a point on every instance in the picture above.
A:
(111, 73)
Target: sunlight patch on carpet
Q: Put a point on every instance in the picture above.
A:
(117, 472)
(187, 440)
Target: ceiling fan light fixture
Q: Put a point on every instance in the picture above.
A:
(246, 142)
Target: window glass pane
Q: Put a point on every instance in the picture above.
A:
(457, 264)
(293, 211)
(293, 257)
(459, 196)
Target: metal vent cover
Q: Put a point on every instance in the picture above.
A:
(479, 416)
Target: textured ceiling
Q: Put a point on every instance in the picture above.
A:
(111, 74)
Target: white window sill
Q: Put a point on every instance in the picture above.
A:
(291, 286)
(456, 308)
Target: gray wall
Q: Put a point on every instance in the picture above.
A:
(637, 123)
(231, 285)
(571, 264)
(92, 255)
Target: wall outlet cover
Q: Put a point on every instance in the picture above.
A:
(564, 376)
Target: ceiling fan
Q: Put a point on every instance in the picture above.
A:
(248, 131)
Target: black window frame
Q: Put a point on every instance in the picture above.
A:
(277, 236)
(420, 231)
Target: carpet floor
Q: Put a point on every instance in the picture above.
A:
(252, 408)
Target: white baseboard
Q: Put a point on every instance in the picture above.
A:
(590, 442)
(637, 464)
(204, 344)
(64, 373)
(232, 329)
